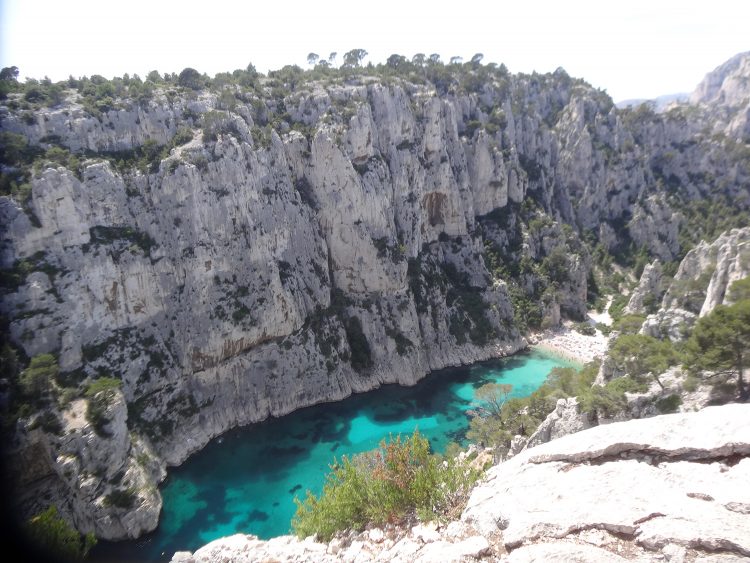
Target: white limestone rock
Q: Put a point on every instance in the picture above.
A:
(659, 481)
(701, 283)
(86, 467)
(648, 291)
(563, 552)
(473, 547)
(565, 419)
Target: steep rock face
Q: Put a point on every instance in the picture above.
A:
(648, 291)
(103, 481)
(724, 84)
(700, 284)
(299, 249)
(726, 88)
(114, 130)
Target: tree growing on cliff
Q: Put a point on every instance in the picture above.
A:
(8, 81)
(638, 355)
(720, 341)
(740, 290)
(354, 58)
(36, 380)
(497, 418)
(49, 533)
(191, 78)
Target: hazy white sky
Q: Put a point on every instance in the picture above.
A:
(632, 49)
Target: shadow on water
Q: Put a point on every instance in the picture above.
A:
(246, 482)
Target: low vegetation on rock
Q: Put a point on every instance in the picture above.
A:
(55, 538)
(398, 482)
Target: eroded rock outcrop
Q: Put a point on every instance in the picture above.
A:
(671, 480)
(701, 283)
(565, 419)
(101, 478)
(726, 90)
(648, 292)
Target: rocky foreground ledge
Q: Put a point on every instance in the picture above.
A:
(668, 488)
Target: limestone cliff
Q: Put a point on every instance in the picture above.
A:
(700, 284)
(103, 479)
(727, 91)
(297, 241)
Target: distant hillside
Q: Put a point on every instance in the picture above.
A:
(727, 84)
(660, 103)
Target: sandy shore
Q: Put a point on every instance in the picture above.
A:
(569, 344)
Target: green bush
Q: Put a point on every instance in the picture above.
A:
(120, 498)
(600, 401)
(36, 380)
(191, 78)
(626, 384)
(610, 399)
(17, 156)
(669, 404)
(555, 265)
(58, 156)
(585, 329)
(638, 354)
(398, 480)
(102, 384)
(100, 393)
(184, 135)
(52, 534)
(628, 324)
(616, 307)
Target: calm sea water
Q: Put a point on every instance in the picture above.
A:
(246, 480)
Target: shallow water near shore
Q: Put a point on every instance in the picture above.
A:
(246, 480)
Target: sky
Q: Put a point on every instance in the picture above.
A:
(633, 49)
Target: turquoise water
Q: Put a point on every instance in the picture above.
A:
(246, 480)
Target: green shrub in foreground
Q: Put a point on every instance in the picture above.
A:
(50, 533)
(398, 480)
(669, 404)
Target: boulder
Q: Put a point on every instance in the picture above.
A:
(667, 480)
(565, 419)
(648, 291)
